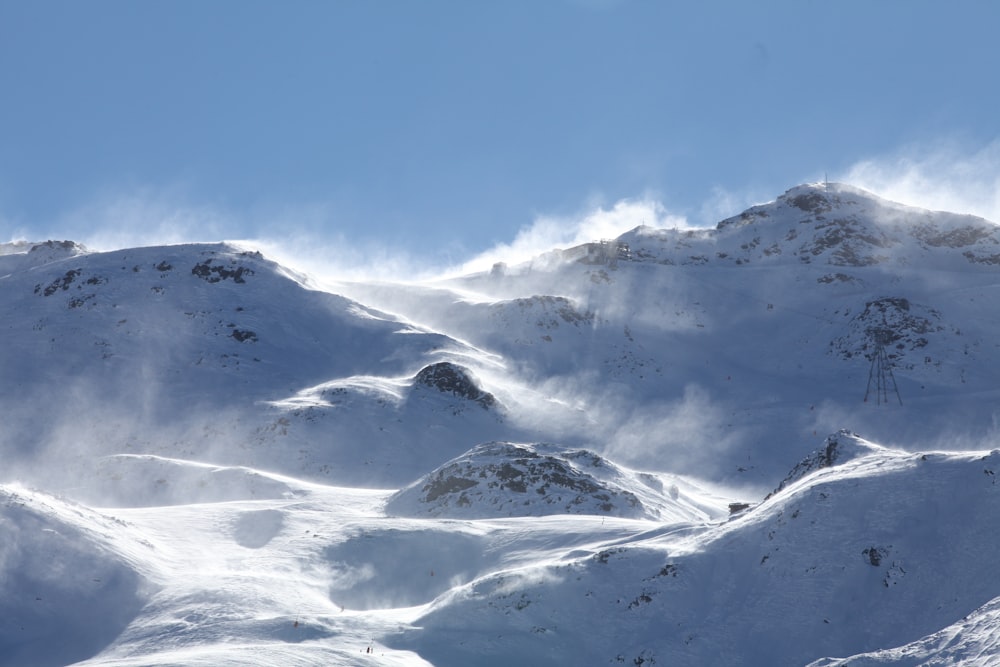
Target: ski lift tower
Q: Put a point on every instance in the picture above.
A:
(880, 372)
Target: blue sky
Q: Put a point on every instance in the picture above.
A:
(438, 130)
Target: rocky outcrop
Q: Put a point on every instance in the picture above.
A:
(505, 479)
(453, 379)
(214, 273)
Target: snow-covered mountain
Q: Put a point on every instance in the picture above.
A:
(642, 450)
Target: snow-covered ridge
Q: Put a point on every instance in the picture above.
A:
(832, 224)
(839, 448)
(289, 475)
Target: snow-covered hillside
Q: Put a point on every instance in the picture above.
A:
(642, 450)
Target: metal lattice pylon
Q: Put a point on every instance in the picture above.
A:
(880, 372)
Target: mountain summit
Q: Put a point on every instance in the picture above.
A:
(833, 224)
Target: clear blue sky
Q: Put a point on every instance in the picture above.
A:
(445, 127)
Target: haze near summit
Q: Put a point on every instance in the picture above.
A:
(408, 138)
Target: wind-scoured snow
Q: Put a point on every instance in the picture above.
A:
(772, 442)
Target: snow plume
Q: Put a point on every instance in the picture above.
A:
(971, 424)
(725, 203)
(124, 403)
(331, 258)
(62, 446)
(142, 217)
(300, 236)
(548, 231)
(687, 434)
(16, 234)
(944, 178)
(307, 236)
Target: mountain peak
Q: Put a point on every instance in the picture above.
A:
(812, 199)
(821, 197)
(828, 188)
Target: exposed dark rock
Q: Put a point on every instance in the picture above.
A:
(849, 241)
(244, 335)
(875, 555)
(812, 202)
(836, 277)
(440, 487)
(896, 323)
(993, 259)
(955, 238)
(57, 245)
(62, 283)
(832, 453)
(452, 379)
(78, 301)
(214, 273)
(668, 570)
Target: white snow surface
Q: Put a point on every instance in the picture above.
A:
(650, 450)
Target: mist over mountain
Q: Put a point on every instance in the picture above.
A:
(767, 442)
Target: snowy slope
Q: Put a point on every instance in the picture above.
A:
(974, 640)
(698, 350)
(221, 461)
(178, 350)
(874, 553)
